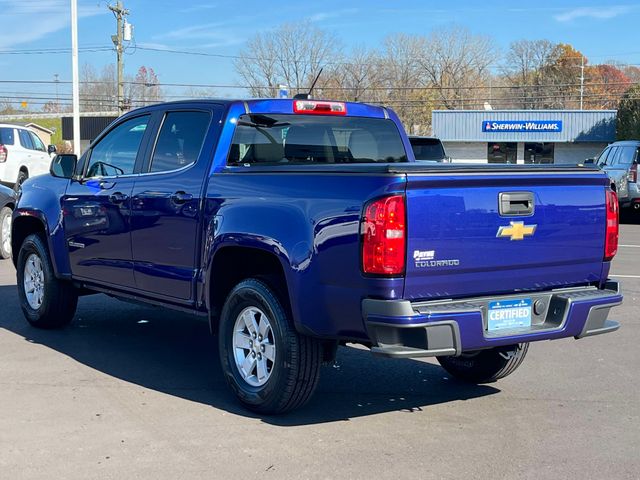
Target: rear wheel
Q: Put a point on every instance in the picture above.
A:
(5, 232)
(269, 366)
(46, 301)
(486, 366)
(22, 176)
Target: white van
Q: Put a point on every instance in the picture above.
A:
(22, 155)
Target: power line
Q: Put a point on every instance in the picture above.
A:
(434, 88)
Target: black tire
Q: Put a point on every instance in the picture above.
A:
(5, 252)
(486, 366)
(60, 298)
(22, 176)
(295, 371)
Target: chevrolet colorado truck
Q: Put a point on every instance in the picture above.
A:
(292, 226)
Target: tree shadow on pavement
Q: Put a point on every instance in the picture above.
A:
(174, 353)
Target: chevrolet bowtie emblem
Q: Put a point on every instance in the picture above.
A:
(516, 230)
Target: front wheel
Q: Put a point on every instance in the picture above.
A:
(46, 301)
(5, 232)
(269, 366)
(486, 366)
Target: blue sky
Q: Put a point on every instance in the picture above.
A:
(601, 30)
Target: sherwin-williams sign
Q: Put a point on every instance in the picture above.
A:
(525, 126)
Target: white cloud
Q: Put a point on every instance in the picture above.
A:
(24, 22)
(320, 16)
(605, 12)
(199, 8)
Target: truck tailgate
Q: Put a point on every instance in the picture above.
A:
(453, 222)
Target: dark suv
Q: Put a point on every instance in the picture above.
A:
(620, 161)
(428, 149)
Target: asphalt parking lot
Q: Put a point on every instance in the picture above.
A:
(133, 392)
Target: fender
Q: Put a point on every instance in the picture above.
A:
(242, 224)
(40, 199)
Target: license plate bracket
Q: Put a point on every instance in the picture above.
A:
(509, 314)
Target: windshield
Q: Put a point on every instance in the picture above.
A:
(314, 139)
(427, 148)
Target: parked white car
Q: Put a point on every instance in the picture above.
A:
(22, 155)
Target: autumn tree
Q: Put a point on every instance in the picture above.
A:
(604, 86)
(145, 89)
(99, 90)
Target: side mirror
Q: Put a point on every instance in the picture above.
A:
(64, 165)
(51, 149)
(589, 161)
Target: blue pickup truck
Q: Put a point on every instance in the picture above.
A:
(293, 226)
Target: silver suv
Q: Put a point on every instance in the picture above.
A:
(620, 161)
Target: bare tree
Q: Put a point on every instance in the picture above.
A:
(200, 92)
(455, 63)
(293, 55)
(529, 67)
(401, 76)
(98, 91)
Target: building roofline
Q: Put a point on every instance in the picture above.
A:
(525, 111)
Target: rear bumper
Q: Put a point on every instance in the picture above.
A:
(399, 328)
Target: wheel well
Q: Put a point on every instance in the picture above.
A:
(231, 265)
(23, 227)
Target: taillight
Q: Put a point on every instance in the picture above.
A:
(3, 153)
(319, 107)
(611, 238)
(384, 236)
(632, 176)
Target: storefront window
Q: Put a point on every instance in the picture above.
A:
(538, 152)
(502, 152)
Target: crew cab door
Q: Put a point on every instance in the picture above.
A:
(97, 208)
(166, 200)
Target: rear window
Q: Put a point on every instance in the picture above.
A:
(311, 139)
(427, 148)
(6, 136)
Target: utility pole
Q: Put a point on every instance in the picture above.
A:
(56, 81)
(120, 13)
(581, 80)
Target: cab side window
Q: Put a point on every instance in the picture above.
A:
(116, 153)
(25, 139)
(180, 140)
(37, 143)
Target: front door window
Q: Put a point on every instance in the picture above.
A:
(116, 153)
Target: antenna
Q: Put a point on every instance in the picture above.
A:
(307, 96)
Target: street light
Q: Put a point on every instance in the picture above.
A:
(75, 80)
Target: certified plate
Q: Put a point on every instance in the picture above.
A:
(508, 314)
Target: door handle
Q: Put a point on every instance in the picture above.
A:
(516, 203)
(181, 197)
(118, 198)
